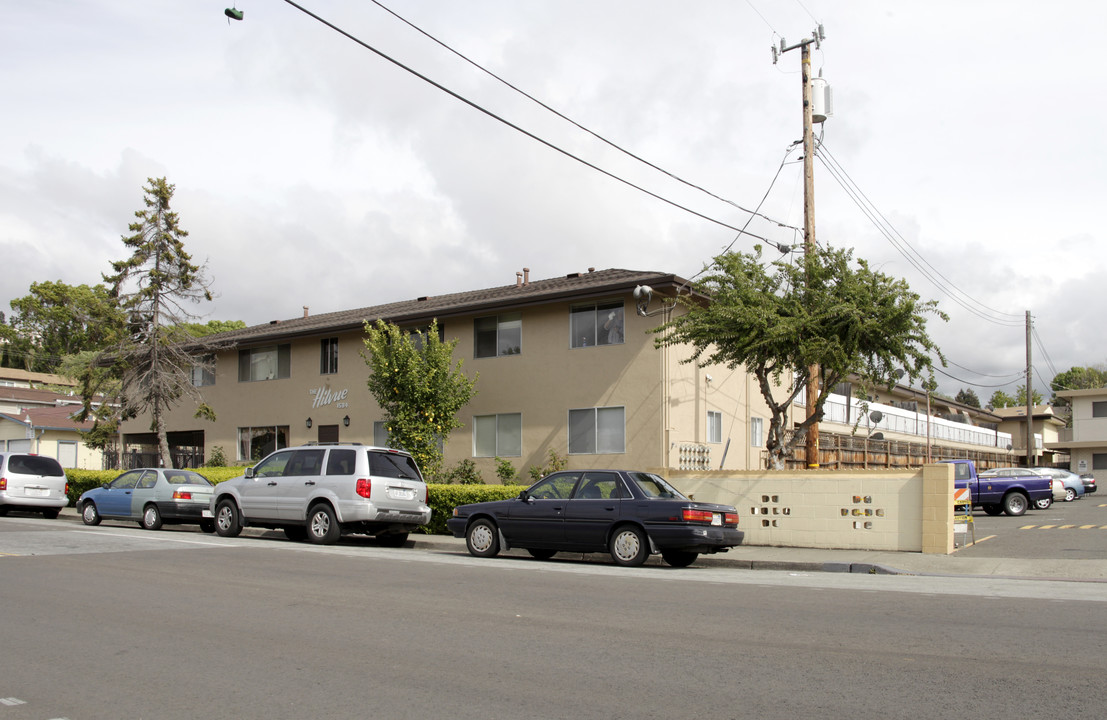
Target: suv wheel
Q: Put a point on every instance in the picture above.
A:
(322, 525)
(227, 523)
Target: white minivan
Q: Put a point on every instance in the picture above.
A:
(32, 482)
(319, 491)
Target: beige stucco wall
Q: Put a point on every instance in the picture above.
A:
(872, 510)
(665, 401)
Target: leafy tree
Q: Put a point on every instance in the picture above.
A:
(1077, 378)
(1002, 399)
(212, 327)
(967, 396)
(1020, 396)
(57, 319)
(151, 364)
(419, 387)
(821, 311)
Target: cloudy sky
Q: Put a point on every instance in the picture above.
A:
(310, 170)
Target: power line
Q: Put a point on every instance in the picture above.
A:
(906, 250)
(515, 127)
(572, 122)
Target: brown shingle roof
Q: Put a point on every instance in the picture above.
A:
(58, 418)
(424, 309)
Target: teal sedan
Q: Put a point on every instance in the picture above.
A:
(152, 497)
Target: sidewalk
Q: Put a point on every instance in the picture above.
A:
(750, 557)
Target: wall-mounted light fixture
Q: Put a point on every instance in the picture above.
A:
(346, 421)
(308, 423)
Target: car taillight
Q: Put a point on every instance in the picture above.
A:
(694, 515)
(364, 487)
(730, 519)
(3, 483)
(182, 495)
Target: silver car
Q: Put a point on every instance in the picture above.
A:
(32, 482)
(318, 492)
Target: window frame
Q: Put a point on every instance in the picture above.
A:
(328, 356)
(757, 432)
(1099, 408)
(500, 432)
(503, 323)
(247, 364)
(596, 434)
(577, 332)
(714, 427)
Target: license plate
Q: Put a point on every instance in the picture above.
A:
(206, 513)
(401, 493)
(716, 518)
(36, 492)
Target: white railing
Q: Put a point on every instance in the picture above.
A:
(907, 422)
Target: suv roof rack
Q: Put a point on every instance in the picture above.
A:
(316, 442)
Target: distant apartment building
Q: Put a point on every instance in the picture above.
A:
(1086, 440)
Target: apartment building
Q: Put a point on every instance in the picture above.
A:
(1086, 440)
(565, 364)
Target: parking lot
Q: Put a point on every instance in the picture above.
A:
(1066, 530)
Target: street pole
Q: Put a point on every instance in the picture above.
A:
(1029, 399)
(813, 370)
(809, 241)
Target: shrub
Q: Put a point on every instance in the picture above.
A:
(505, 471)
(554, 462)
(464, 473)
(444, 498)
(217, 458)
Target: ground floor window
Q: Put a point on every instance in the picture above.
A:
(254, 443)
(498, 435)
(597, 430)
(380, 434)
(1099, 461)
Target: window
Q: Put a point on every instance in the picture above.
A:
(498, 435)
(555, 487)
(204, 375)
(714, 426)
(264, 363)
(600, 324)
(597, 430)
(1099, 409)
(757, 432)
(418, 335)
(598, 486)
(1099, 461)
(328, 356)
(498, 335)
(254, 443)
(341, 462)
(380, 434)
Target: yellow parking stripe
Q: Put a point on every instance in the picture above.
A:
(1028, 527)
(1066, 527)
(1046, 527)
(1086, 527)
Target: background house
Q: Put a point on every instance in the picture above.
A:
(1086, 440)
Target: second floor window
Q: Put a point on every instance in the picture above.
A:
(498, 335)
(328, 356)
(714, 426)
(599, 324)
(204, 375)
(264, 363)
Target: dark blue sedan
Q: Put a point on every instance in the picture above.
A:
(627, 513)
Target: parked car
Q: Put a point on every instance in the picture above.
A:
(320, 491)
(153, 497)
(627, 513)
(1089, 483)
(32, 482)
(997, 491)
(1074, 486)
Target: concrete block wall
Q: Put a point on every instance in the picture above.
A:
(905, 510)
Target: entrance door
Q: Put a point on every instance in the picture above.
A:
(328, 433)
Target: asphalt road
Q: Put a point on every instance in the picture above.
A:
(1066, 530)
(115, 622)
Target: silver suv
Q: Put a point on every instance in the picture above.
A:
(320, 491)
(32, 482)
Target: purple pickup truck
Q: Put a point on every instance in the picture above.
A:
(1001, 494)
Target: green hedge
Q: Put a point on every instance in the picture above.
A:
(442, 498)
(82, 480)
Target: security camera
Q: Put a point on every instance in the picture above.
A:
(709, 378)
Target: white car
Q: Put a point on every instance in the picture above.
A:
(320, 491)
(32, 482)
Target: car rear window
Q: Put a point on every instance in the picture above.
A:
(393, 465)
(35, 465)
(185, 477)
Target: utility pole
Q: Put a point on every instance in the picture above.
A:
(1029, 399)
(813, 371)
